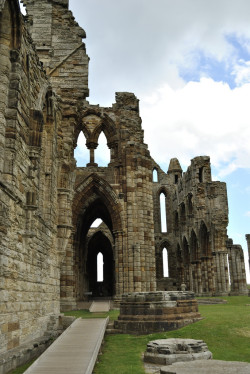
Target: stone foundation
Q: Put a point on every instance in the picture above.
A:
(169, 351)
(148, 312)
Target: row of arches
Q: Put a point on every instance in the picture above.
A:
(195, 248)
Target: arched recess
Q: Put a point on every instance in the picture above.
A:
(194, 253)
(186, 254)
(176, 222)
(204, 240)
(94, 198)
(100, 244)
(190, 204)
(182, 214)
(10, 39)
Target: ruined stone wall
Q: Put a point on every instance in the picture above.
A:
(124, 191)
(196, 237)
(28, 257)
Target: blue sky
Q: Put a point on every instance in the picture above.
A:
(188, 61)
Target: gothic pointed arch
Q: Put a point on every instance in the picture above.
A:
(204, 240)
(194, 253)
(93, 190)
(185, 250)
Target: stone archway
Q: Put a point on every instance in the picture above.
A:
(100, 243)
(94, 199)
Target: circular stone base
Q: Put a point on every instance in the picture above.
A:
(169, 351)
(148, 312)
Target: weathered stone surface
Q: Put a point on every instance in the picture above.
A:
(207, 367)
(169, 351)
(148, 312)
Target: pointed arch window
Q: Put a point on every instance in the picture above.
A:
(186, 254)
(81, 152)
(155, 176)
(165, 262)
(194, 246)
(100, 265)
(163, 211)
(204, 240)
(183, 214)
(102, 153)
(190, 204)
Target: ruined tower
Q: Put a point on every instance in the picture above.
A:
(48, 249)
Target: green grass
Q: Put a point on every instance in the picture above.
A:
(22, 369)
(225, 328)
(112, 314)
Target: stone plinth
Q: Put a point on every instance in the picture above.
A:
(148, 312)
(169, 351)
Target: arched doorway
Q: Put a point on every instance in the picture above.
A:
(99, 244)
(94, 200)
(90, 241)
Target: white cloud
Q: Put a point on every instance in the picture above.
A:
(202, 118)
(247, 214)
(242, 72)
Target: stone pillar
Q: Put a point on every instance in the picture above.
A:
(120, 266)
(92, 146)
(248, 245)
(222, 278)
(237, 269)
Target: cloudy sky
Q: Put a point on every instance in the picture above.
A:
(188, 61)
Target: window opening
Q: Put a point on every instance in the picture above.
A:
(22, 8)
(176, 178)
(100, 264)
(155, 175)
(81, 152)
(163, 212)
(102, 153)
(201, 175)
(165, 262)
(96, 223)
(228, 267)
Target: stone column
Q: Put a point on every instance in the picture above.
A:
(92, 146)
(120, 267)
(222, 278)
(237, 269)
(248, 245)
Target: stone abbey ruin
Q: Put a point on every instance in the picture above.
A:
(48, 250)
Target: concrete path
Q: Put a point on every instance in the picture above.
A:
(75, 351)
(99, 306)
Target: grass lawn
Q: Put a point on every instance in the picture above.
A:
(225, 328)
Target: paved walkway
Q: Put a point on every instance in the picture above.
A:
(75, 351)
(99, 306)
